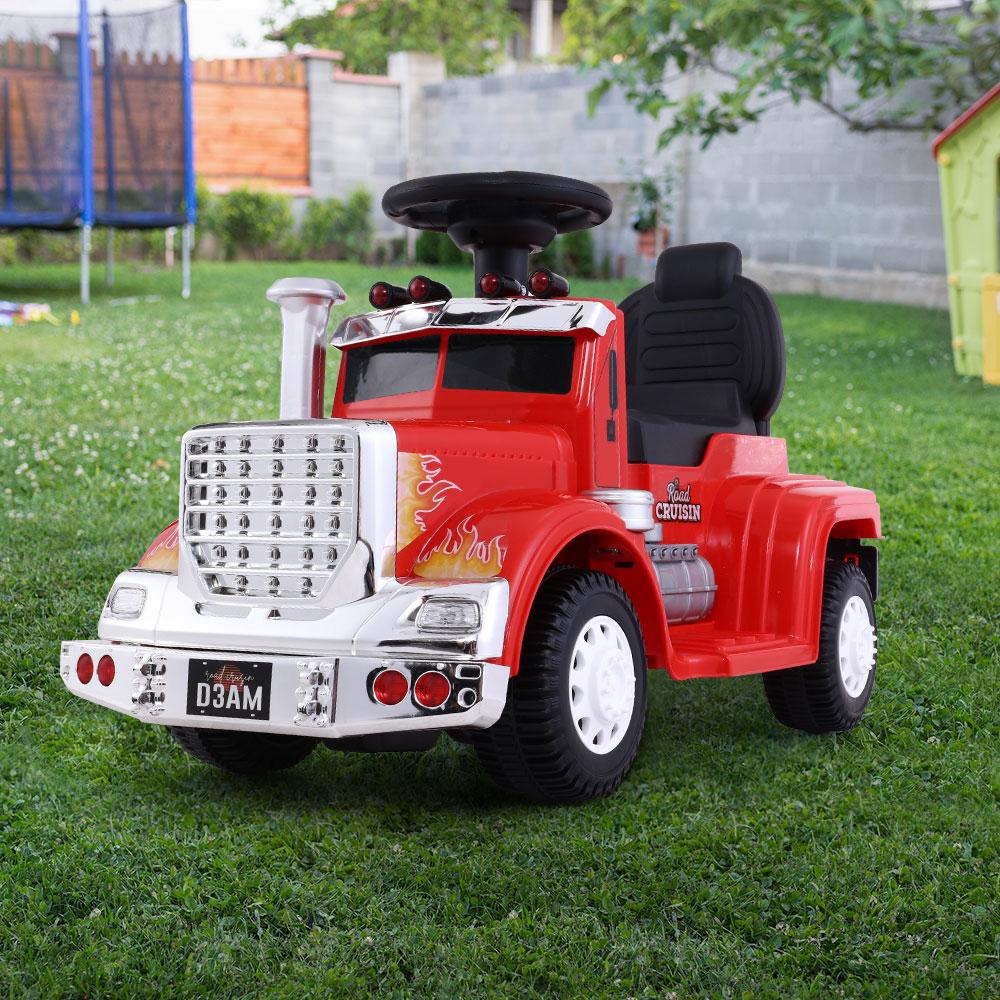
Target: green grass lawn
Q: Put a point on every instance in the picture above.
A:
(738, 859)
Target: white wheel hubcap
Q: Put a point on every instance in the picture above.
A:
(601, 684)
(856, 650)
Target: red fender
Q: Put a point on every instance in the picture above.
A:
(528, 532)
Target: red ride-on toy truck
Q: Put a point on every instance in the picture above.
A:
(520, 502)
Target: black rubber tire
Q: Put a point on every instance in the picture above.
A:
(813, 698)
(534, 750)
(243, 753)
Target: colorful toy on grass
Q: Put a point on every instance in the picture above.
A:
(968, 157)
(519, 504)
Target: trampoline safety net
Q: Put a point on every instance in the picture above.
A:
(97, 143)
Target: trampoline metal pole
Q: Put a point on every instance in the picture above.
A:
(190, 206)
(109, 267)
(86, 149)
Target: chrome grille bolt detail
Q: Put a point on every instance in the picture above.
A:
(220, 444)
(274, 554)
(308, 524)
(243, 553)
(276, 494)
(312, 443)
(274, 523)
(244, 523)
(220, 522)
(307, 555)
(244, 469)
(244, 444)
(277, 468)
(277, 443)
(245, 494)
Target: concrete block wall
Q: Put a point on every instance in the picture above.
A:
(812, 205)
(355, 138)
(538, 120)
(799, 189)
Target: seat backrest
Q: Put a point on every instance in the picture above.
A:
(704, 354)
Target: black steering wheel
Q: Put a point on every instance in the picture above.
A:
(439, 202)
(500, 217)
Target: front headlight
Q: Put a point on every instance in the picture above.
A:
(448, 614)
(127, 602)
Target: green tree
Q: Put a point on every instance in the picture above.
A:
(771, 51)
(470, 36)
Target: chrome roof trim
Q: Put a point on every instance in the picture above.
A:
(534, 315)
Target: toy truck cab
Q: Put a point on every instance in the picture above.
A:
(519, 502)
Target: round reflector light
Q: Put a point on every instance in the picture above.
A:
(432, 689)
(390, 687)
(419, 288)
(489, 283)
(84, 668)
(105, 670)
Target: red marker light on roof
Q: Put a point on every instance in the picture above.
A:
(382, 295)
(491, 284)
(547, 284)
(423, 289)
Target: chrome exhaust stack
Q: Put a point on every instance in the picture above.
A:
(305, 312)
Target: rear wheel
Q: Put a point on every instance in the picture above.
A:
(575, 712)
(830, 695)
(243, 753)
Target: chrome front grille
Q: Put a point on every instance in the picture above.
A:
(270, 510)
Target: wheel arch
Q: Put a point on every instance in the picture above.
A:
(539, 531)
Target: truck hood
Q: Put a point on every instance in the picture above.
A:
(446, 474)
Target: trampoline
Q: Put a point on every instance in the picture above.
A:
(96, 124)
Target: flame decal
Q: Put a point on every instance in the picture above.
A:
(163, 554)
(461, 554)
(420, 490)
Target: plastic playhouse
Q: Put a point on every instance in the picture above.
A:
(968, 158)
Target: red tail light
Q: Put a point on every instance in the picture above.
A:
(390, 687)
(105, 670)
(84, 668)
(432, 689)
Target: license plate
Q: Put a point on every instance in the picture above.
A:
(229, 689)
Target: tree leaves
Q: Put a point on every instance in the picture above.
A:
(768, 51)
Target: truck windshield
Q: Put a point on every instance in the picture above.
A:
(391, 369)
(504, 362)
(496, 362)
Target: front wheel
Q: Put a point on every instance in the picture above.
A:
(830, 695)
(574, 716)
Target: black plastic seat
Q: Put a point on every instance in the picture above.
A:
(704, 354)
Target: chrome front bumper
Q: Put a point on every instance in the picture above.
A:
(325, 697)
